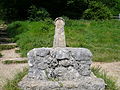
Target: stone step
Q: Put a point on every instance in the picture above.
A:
(2, 31)
(5, 40)
(10, 44)
(3, 36)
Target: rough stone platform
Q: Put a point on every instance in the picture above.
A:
(60, 69)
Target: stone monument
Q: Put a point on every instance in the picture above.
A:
(60, 67)
(59, 38)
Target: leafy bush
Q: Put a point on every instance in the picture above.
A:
(8, 14)
(37, 14)
(18, 9)
(97, 11)
(116, 7)
(113, 5)
(13, 32)
(75, 8)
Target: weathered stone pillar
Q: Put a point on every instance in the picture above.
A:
(59, 37)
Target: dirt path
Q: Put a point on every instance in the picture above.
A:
(8, 71)
(11, 55)
(112, 69)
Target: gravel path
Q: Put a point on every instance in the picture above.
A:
(11, 55)
(112, 69)
(9, 71)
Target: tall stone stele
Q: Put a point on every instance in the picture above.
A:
(60, 67)
(59, 37)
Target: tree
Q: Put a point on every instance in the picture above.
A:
(97, 10)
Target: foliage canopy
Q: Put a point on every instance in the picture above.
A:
(97, 11)
(18, 9)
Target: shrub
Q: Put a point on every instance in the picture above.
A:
(97, 11)
(8, 14)
(113, 5)
(37, 14)
(16, 28)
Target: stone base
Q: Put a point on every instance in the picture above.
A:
(84, 83)
(60, 69)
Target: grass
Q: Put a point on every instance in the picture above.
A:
(17, 51)
(12, 84)
(108, 80)
(101, 37)
(7, 47)
(14, 61)
(1, 55)
(37, 34)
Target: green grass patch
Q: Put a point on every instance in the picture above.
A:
(17, 51)
(108, 80)
(12, 84)
(7, 47)
(1, 55)
(14, 61)
(101, 37)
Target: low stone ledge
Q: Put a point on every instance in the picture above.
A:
(84, 83)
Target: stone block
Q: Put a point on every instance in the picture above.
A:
(60, 69)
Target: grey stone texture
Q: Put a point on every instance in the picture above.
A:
(60, 69)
